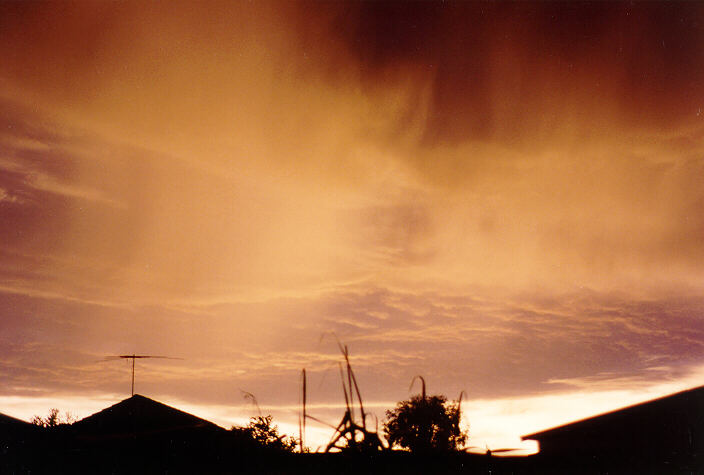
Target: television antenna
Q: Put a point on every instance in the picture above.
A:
(134, 357)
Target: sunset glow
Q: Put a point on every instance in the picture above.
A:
(506, 198)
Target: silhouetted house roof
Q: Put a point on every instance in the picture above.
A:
(667, 430)
(139, 415)
(17, 442)
(137, 435)
(12, 429)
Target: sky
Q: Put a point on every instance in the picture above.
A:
(506, 198)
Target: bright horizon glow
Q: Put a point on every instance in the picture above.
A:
(496, 423)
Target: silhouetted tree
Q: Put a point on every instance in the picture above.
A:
(264, 434)
(425, 424)
(53, 419)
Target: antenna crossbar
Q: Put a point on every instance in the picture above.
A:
(135, 357)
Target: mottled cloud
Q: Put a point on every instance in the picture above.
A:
(501, 345)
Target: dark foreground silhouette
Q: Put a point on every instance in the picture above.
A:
(140, 435)
(666, 434)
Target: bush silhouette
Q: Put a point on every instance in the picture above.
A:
(425, 424)
(53, 419)
(263, 434)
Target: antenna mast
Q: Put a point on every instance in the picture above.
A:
(133, 357)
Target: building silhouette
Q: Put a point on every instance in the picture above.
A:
(664, 433)
(140, 416)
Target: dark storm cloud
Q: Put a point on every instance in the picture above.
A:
(642, 63)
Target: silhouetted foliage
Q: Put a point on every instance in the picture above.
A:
(53, 419)
(264, 434)
(425, 424)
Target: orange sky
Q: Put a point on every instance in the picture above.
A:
(505, 198)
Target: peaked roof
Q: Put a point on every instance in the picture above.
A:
(691, 399)
(140, 415)
(12, 422)
(12, 428)
(9, 421)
